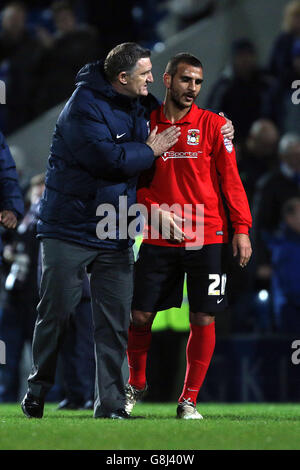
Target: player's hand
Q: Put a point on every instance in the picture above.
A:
(8, 219)
(242, 246)
(161, 142)
(170, 226)
(227, 130)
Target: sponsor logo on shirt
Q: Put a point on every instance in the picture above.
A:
(173, 154)
(193, 136)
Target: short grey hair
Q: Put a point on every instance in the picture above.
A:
(123, 58)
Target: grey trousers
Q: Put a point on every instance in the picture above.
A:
(111, 281)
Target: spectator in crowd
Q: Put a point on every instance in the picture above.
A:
(20, 296)
(259, 154)
(11, 207)
(72, 46)
(285, 259)
(272, 191)
(240, 90)
(146, 15)
(279, 104)
(19, 53)
(281, 55)
(257, 157)
(11, 201)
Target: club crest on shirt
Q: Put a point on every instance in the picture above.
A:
(228, 145)
(193, 136)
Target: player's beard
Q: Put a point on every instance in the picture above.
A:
(175, 98)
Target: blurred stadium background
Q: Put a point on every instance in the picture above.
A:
(42, 45)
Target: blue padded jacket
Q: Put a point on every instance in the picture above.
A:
(10, 193)
(97, 153)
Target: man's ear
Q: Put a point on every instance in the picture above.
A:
(167, 80)
(122, 78)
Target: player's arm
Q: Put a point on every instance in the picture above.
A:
(235, 196)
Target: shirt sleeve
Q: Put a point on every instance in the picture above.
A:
(231, 184)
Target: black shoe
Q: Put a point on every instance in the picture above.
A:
(118, 414)
(33, 407)
(67, 404)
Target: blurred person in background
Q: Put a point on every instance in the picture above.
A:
(272, 191)
(11, 211)
(281, 55)
(11, 200)
(64, 53)
(279, 105)
(20, 294)
(240, 90)
(19, 53)
(258, 155)
(146, 15)
(285, 262)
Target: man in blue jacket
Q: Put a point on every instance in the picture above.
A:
(11, 208)
(11, 200)
(100, 145)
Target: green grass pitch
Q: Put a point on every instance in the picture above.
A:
(225, 426)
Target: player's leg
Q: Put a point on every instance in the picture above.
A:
(206, 281)
(158, 286)
(199, 351)
(139, 340)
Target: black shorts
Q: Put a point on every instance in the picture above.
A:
(160, 273)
